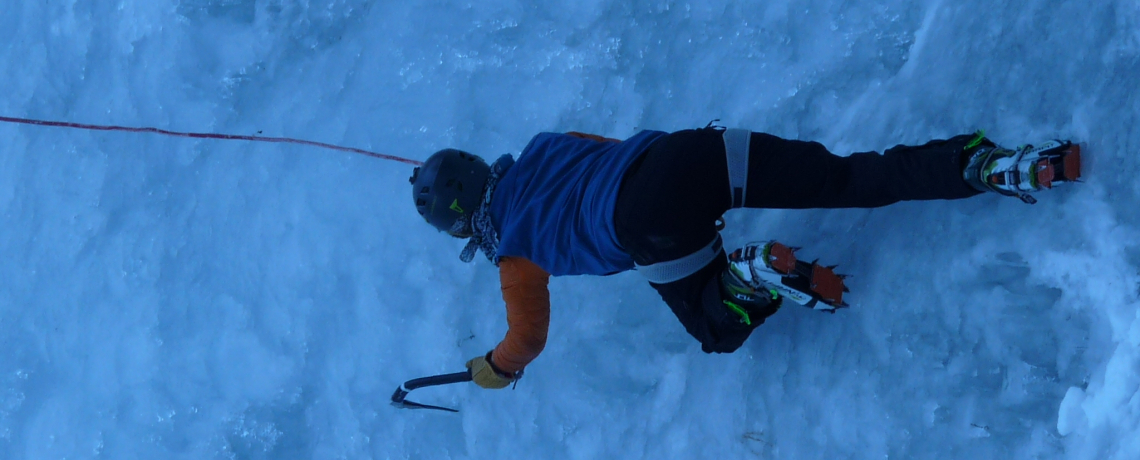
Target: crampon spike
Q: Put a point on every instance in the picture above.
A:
(781, 258)
(1071, 164)
(1045, 174)
(827, 285)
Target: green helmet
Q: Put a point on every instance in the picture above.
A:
(449, 186)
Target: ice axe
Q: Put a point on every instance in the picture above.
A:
(442, 379)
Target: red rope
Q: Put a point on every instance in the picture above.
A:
(61, 124)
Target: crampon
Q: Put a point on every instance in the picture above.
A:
(774, 267)
(1031, 168)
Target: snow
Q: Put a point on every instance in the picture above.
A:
(175, 298)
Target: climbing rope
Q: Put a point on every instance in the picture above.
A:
(61, 124)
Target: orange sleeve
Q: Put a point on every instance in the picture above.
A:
(592, 136)
(528, 313)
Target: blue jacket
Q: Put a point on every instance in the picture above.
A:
(555, 206)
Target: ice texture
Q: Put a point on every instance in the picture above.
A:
(196, 299)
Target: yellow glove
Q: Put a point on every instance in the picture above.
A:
(484, 374)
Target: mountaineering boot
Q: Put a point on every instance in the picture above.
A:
(769, 270)
(1017, 172)
(750, 303)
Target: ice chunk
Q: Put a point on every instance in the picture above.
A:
(1071, 416)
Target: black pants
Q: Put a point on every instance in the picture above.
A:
(672, 196)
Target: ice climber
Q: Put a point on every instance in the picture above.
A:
(580, 204)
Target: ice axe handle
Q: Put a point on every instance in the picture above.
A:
(407, 387)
